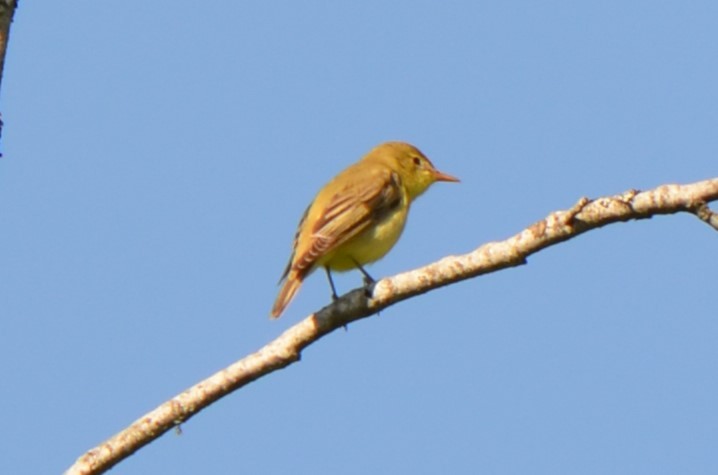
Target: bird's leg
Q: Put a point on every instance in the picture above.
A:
(368, 280)
(331, 283)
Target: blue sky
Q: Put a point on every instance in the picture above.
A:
(157, 157)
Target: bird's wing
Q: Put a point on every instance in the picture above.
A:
(294, 244)
(349, 212)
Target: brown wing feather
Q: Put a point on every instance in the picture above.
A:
(294, 245)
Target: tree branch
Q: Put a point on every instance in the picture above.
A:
(7, 12)
(557, 227)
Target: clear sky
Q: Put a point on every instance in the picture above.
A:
(157, 158)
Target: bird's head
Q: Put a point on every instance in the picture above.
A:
(416, 171)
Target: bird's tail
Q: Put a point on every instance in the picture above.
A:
(286, 294)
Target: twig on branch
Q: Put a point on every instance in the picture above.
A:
(557, 227)
(704, 213)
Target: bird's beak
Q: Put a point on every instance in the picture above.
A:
(441, 176)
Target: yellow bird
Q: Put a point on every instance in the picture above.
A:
(358, 216)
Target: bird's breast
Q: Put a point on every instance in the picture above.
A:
(371, 244)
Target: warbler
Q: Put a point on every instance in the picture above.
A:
(358, 216)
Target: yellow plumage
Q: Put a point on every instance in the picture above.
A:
(357, 217)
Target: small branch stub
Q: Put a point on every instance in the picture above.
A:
(705, 214)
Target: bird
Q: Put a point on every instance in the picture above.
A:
(358, 216)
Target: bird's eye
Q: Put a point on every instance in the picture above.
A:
(417, 161)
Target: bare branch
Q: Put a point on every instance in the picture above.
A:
(557, 227)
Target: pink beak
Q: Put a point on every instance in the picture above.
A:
(441, 176)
